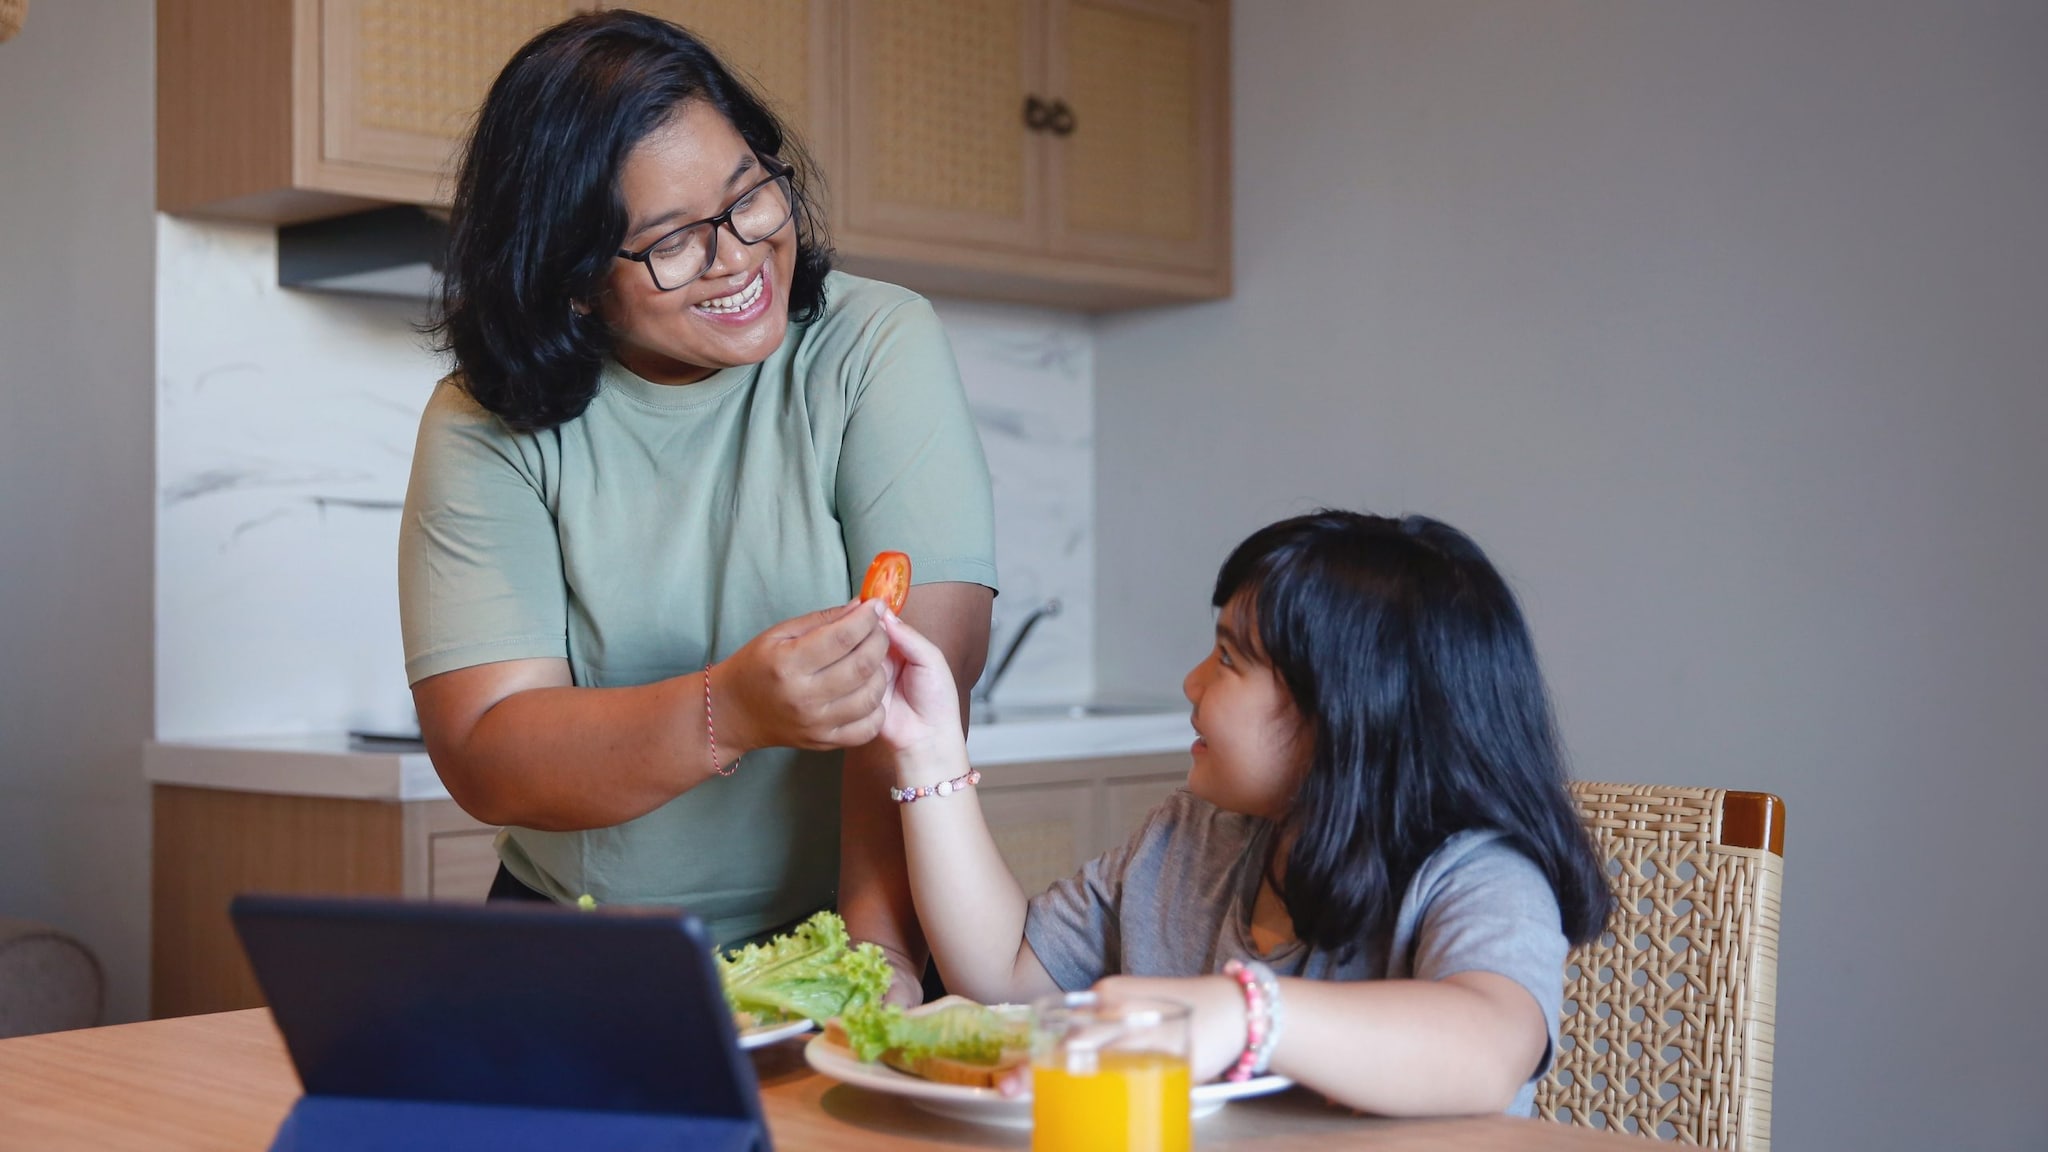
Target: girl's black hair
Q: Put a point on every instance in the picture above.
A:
(538, 217)
(1407, 656)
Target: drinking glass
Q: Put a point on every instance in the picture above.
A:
(1109, 1077)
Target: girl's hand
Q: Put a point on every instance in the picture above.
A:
(1217, 1027)
(921, 715)
(816, 681)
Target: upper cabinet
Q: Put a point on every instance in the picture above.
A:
(1074, 153)
(1063, 151)
(288, 110)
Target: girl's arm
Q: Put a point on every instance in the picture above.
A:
(874, 888)
(1463, 1044)
(968, 902)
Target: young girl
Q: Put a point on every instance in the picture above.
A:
(1372, 878)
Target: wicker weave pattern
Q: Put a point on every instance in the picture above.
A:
(1132, 76)
(948, 101)
(1669, 1016)
(425, 67)
(766, 41)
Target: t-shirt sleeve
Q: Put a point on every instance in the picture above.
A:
(479, 564)
(1494, 911)
(1072, 926)
(912, 477)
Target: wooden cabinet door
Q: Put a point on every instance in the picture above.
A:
(785, 49)
(401, 80)
(1044, 832)
(936, 147)
(1143, 175)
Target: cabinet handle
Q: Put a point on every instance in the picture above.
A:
(1061, 121)
(1037, 114)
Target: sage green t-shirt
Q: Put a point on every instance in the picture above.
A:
(667, 526)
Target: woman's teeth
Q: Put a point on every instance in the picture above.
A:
(739, 301)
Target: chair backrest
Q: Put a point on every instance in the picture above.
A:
(1670, 1014)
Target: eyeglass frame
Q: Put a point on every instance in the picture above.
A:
(719, 223)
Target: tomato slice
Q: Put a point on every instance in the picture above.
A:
(888, 580)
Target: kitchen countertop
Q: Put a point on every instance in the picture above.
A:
(330, 764)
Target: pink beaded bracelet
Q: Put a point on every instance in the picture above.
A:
(942, 788)
(1261, 1017)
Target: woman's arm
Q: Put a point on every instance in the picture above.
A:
(968, 902)
(1463, 1044)
(874, 887)
(515, 743)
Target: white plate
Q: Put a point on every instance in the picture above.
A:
(986, 1105)
(762, 1035)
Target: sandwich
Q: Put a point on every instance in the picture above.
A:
(953, 1041)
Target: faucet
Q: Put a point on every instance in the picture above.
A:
(978, 698)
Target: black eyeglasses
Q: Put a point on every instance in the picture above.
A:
(688, 252)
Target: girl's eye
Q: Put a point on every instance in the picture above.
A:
(1223, 656)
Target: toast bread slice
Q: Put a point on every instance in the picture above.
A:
(940, 1069)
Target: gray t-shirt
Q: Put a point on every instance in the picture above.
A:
(1177, 900)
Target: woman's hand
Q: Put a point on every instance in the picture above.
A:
(816, 681)
(921, 713)
(1216, 1031)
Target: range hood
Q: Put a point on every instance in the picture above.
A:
(396, 251)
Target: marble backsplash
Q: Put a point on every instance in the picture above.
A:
(285, 424)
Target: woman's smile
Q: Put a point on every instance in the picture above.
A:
(742, 307)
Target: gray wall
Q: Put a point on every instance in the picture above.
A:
(77, 280)
(1724, 327)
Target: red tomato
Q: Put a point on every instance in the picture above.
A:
(888, 580)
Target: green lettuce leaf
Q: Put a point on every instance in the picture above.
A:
(810, 972)
(968, 1033)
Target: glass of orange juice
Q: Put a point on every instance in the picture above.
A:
(1109, 1077)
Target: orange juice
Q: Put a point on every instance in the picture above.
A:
(1131, 1102)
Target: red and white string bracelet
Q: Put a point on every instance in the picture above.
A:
(711, 731)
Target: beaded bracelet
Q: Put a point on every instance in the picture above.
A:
(942, 788)
(1261, 1017)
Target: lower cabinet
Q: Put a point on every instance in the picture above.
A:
(210, 844)
(1048, 818)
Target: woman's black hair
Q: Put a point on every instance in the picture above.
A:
(1408, 658)
(538, 217)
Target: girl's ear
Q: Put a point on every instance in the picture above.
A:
(580, 307)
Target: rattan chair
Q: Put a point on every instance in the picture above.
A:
(1669, 1015)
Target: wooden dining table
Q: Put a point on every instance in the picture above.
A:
(224, 1081)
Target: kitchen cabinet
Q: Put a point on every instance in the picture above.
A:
(1067, 152)
(1072, 153)
(317, 815)
(211, 843)
(1049, 818)
(289, 110)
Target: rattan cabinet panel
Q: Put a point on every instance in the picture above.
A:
(937, 145)
(1141, 175)
(400, 81)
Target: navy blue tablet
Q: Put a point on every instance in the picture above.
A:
(503, 1025)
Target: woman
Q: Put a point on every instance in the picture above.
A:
(638, 508)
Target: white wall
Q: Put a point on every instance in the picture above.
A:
(285, 435)
(76, 261)
(1723, 327)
